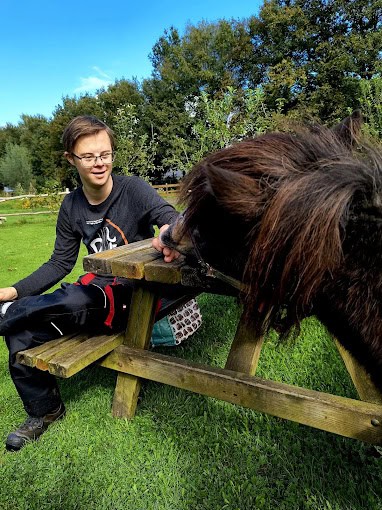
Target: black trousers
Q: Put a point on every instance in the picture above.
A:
(33, 320)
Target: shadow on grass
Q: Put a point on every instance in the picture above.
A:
(185, 451)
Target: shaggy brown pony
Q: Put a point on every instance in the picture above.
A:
(297, 217)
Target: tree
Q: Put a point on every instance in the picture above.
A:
(16, 167)
(164, 114)
(8, 134)
(219, 122)
(209, 57)
(135, 152)
(117, 95)
(35, 135)
(312, 53)
(370, 98)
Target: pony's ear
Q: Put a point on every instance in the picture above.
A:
(348, 131)
(235, 192)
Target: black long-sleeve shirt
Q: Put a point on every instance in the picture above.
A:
(127, 215)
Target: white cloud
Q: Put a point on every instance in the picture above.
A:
(101, 73)
(93, 83)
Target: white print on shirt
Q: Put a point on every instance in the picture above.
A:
(94, 222)
(104, 241)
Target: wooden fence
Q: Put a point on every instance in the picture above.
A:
(162, 188)
(5, 199)
(167, 188)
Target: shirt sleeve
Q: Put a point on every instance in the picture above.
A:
(156, 210)
(61, 262)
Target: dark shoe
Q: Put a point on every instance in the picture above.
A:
(32, 429)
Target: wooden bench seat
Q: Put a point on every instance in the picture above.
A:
(68, 355)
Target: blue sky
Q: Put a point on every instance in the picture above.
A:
(51, 48)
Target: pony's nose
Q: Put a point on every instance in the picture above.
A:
(176, 237)
(166, 237)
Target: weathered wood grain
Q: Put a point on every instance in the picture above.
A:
(164, 272)
(245, 350)
(132, 265)
(65, 364)
(68, 355)
(101, 262)
(361, 379)
(339, 415)
(138, 333)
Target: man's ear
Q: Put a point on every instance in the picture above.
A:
(348, 131)
(69, 157)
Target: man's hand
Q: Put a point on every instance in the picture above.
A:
(8, 294)
(169, 254)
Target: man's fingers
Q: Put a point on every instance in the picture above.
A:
(169, 254)
(156, 243)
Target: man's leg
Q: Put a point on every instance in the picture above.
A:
(38, 390)
(71, 305)
(64, 311)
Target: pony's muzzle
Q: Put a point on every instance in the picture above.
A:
(175, 237)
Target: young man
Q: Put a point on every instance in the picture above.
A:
(106, 211)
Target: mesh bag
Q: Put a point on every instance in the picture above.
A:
(177, 325)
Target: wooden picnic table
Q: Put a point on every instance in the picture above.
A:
(128, 353)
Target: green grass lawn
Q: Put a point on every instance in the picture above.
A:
(182, 451)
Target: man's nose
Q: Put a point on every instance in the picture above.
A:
(98, 161)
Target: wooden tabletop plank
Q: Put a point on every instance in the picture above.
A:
(132, 265)
(101, 262)
(164, 272)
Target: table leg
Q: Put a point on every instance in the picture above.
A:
(366, 389)
(245, 350)
(138, 334)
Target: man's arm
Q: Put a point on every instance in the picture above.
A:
(57, 267)
(149, 205)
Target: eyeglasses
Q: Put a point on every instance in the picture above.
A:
(89, 161)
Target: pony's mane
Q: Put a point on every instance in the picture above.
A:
(294, 191)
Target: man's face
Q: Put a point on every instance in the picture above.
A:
(98, 144)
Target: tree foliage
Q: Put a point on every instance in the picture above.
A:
(371, 104)
(218, 122)
(217, 82)
(209, 57)
(35, 135)
(136, 152)
(314, 52)
(16, 167)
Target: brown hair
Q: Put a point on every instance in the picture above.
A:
(81, 126)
